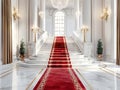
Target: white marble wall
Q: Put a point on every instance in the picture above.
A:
(23, 21)
(97, 25)
(87, 18)
(49, 21)
(15, 29)
(33, 16)
(70, 22)
(109, 31)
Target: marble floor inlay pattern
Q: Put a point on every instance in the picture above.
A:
(94, 75)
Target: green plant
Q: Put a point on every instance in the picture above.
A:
(99, 47)
(22, 48)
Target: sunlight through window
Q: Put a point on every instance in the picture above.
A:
(59, 24)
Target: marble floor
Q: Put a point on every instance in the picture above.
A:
(95, 75)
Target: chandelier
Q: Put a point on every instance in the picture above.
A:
(59, 4)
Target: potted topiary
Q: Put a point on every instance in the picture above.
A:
(22, 50)
(100, 49)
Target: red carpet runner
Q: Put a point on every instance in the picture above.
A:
(59, 75)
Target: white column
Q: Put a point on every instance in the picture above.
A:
(87, 18)
(81, 15)
(0, 31)
(115, 28)
(97, 25)
(78, 15)
(15, 31)
(32, 18)
(42, 9)
(23, 21)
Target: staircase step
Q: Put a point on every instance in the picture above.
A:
(59, 51)
(59, 48)
(59, 55)
(59, 62)
(59, 65)
(59, 58)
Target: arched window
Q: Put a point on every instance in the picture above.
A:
(59, 23)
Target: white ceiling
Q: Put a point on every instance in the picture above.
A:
(70, 4)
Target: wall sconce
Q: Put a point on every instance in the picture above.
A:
(41, 14)
(84, 29)
(35, 30)
(15, 14)
(105, 14)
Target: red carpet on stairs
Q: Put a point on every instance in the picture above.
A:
(59, 56)
(59, 75)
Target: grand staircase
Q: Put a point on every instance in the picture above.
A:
(59, 56)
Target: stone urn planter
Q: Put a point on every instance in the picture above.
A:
(100, 57)
(22, 57)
